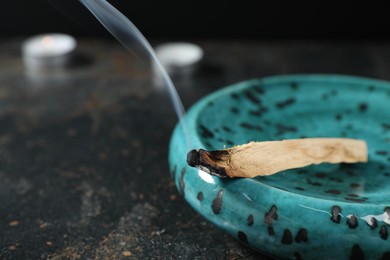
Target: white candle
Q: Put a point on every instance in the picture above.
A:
(179, 54)
(48, 51)
(178, 58)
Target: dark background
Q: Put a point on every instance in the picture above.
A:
(196, 20)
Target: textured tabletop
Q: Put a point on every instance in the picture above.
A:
(83, 153)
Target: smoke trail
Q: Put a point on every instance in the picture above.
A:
(126, 33)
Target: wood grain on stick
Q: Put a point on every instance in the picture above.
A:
(266, 158)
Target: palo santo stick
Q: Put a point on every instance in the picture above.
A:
(266, 158)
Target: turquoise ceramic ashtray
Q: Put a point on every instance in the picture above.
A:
(325, 211)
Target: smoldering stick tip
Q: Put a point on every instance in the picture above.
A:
(193, 158)
(207, 161)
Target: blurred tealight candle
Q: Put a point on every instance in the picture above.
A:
(48, 51)
(178, 59)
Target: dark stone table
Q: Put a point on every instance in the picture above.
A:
(83, 152)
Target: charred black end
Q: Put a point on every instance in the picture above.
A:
(217, 171)
(206, 161)
(218, 155)
(193, 158)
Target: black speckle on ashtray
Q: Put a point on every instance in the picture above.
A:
(249, 220)
(230, 143)
(334, 192)
(354, 185)
(335, 212)
(302, 235)
(349, 127)
(338, 117)
(234, 95)
(285, 103)
(320, 175)
(363, 107)
(259, 90)
(251, 127)
(258, 112)
(287, 238)
(282, 129)
(227, 129)
(242, 237)
(385, 126)
(373, 223)
(271, 230)
(381, 152)
(352, 222)
(200, 196)
(356, 253)
(359, 200)
(271, 215)
(325, 96)
(205, 132)
(294, 86)
(383, 232)
(217, 202)
(314, 183)
(207, 144)
(251, 97)
(297, 256)
(234, 110)
(335, 179)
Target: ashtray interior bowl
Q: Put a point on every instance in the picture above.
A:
(324, 211)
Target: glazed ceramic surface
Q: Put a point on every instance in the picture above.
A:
(326, 211)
